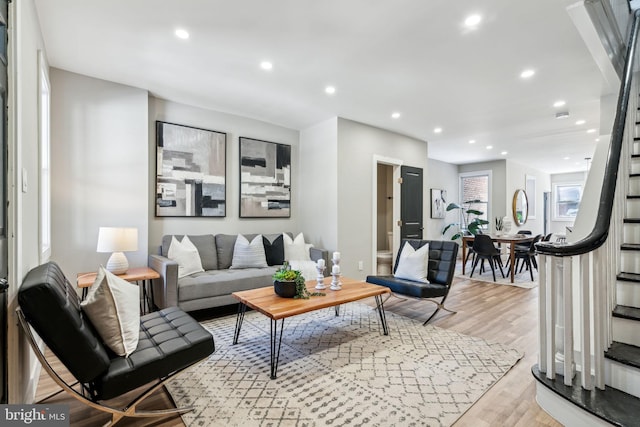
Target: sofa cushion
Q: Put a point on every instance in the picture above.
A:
(223, 282)
(206, 245)
(274, 249)
(248, 254)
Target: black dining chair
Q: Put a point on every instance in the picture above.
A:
(485, 250)
(528, 257)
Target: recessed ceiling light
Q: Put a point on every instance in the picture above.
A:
(591, 131)
(395, 115)
(489, 147)
(472, 141)
(597, 139)
(527, 73)
(266, 65)
(330, 90)
(566, 158)
(472, 20)
(182, 34)
(581, 122)
(559, 103)
(504, 153)
(437, 130)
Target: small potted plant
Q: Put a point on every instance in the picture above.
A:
(289, 283)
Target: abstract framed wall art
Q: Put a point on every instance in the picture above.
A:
(265, 179)
(190, 171)
(438, 203)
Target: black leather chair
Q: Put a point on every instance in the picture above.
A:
(484, 250)
(170, 341)
(442, 264)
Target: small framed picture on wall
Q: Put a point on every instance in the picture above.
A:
(438, 203)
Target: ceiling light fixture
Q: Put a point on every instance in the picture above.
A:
(597, 139)
(182, 34)
(266, 65)
(581, 122)
(472, 20)
(330, 90)
(472, 141)
(489, 147)
(395, 115)
(591, 131)
(562, 115)
(559, 103)
(437, 130)
(527, 74)
(504, 153)
(566, 158)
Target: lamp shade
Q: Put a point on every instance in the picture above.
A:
(115, 239)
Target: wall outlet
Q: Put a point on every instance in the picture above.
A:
(360, 265)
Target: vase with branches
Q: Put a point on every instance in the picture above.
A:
(472, 222)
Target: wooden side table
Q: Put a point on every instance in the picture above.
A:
(133, 275)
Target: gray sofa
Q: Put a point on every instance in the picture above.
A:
(212, 287)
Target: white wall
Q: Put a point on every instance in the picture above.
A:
(99, 168)
(234, 126)
(318, 204)
(443, 176)
(357, 145)
(515, 180)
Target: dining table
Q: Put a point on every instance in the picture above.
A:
(512, 240)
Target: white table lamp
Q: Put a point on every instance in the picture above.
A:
(117, 240)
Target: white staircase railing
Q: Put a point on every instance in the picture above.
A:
(577, 280)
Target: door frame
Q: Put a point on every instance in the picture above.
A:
(395, 163)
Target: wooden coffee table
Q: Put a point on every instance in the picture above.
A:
(277, 308)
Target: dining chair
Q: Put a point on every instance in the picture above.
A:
(528, 257)
(485, 250)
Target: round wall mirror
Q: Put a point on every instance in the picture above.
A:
(520, 207)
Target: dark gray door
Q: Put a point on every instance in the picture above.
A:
(411, 203)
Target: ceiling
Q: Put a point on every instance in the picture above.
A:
(415, 57)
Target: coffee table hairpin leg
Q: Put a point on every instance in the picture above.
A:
(383, 318)
(276, 343)
(242, 308)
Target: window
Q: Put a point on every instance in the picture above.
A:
(45, 172)
(475, 193)
(566, 198)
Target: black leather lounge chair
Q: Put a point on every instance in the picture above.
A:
(442, 264)
(170, 341)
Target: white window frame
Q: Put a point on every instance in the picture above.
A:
(44, 146)
(487, 173)
(555, 216)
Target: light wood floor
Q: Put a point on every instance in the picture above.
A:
(496, 313)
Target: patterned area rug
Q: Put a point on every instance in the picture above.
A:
(339, 370)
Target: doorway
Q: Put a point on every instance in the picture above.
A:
(386, 213)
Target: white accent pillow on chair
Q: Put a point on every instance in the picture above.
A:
(413, 264)
(113, 306)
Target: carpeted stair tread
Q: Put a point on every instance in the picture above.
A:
(630, 246)
(626, 312)
(612, 405)
(629, 277)
(624, 353)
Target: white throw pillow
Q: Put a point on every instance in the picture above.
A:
(248, 254)
(113, 306)
(186, 255)
(413, 264)
(296, 249)
(306, 268)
